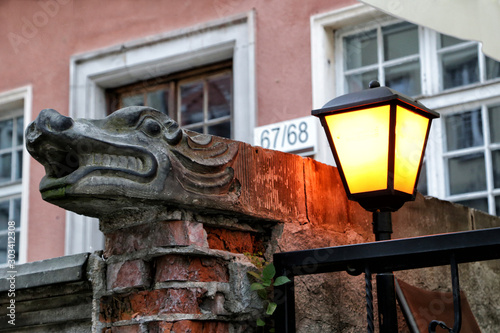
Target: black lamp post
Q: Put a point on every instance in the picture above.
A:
(378, 138)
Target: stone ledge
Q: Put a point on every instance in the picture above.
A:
(46, 272)
(61, 315)
(73, 326)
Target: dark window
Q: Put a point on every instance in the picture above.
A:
(199, 100)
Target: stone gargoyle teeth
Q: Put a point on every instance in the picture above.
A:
(114, 162)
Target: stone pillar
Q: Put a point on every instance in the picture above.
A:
(173, 273)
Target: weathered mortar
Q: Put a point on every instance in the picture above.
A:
(175, 237)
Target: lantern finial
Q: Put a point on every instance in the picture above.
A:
(373, 84)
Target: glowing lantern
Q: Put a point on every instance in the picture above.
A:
(378, 138)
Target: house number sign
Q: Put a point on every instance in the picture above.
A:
(292, 136)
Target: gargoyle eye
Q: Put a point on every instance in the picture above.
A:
(151, 127)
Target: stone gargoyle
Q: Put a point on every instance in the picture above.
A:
(135, 157)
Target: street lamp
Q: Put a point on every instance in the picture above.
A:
(378, 138)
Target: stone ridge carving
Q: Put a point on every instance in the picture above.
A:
(133, 157)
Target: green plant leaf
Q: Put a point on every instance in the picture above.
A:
(256, 286)
(280, 280)
(272, 330)
(255, 275)
(268, 272)
(266, 283)
(271, 307)
(262, 293)
(260, 322)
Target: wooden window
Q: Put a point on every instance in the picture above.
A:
(200, 100)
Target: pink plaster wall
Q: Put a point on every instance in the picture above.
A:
(37, 39)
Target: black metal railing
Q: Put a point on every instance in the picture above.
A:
(384, 256)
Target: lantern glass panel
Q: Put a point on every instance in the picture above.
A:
(361, 139)
(411, 129)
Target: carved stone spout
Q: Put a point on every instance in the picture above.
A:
(135, 157)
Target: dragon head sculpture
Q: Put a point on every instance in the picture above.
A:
(131, 158)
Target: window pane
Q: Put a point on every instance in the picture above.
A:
(480, 204)
(3, 248)
(494, 116)
(360, 50)
(20, 130)
(400, 40)
(460, 67)
(17, 212)
(19, 165)
(133, 100)
(495, 155)
(422, 180)
(223, 130)
(191, 103)
(449, 41)
(467, 174)
(219, 97)
(404, 78)
(6, 128)
(358, 82)
(158, 100)
(492, 68)
(464, 130)
(497, 205)
(4, 215)
(5, 167)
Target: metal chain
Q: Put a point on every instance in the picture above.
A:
(369, 300)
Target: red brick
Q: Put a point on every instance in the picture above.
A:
(186, 268)
(231, 240)
(199, 327)
(127, 240)
(134, 273)
(146, 303)
(188, 326)
(159, 327)
(159, 234)
(123, 329)
(180, 233)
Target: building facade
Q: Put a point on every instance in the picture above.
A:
(236, 69)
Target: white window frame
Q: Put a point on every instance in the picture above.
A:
(20, 102)
(91, 73)
(381, 65)
(324, 55)
(327, 72)
(453, 102)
